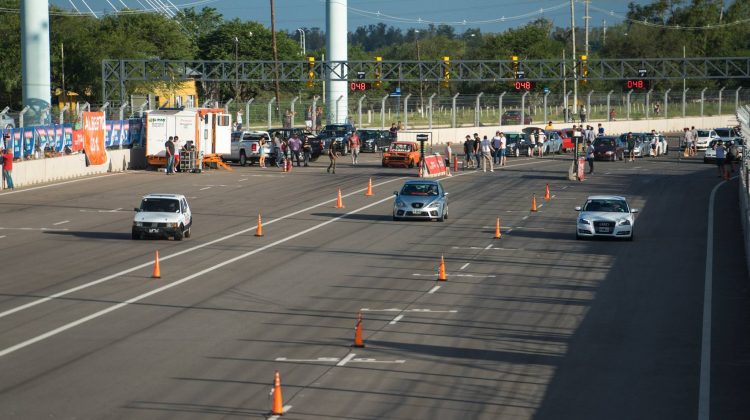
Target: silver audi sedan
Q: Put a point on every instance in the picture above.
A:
(421, 199)
(605, 216)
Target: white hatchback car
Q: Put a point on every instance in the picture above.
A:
(705, 137)
(605, 216)
(163, 215)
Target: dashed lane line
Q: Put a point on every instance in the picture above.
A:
(61, 223)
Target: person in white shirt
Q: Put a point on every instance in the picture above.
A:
(503, 148)
(541, 138)
(448, 158)
(532, 144)
(485, 146)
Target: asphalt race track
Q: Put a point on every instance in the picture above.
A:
(535, 325)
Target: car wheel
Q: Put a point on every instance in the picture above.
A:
(706, 160)
(188, 232)
(179, 233)
(445, 213)
(384, 165)
(243, 158)
(396, 219)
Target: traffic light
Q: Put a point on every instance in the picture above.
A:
(310, 71)
(515, 67)
(378, 71)
(584, 69)
(446, 71)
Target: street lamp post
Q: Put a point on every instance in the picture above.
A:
(421, 86)
(302, 40)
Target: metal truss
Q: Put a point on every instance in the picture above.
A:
(118, 74)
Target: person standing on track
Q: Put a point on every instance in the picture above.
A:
(590, 156)
(294, 145)
(448, 158)
(8, 168)
(169, 150)
(486, 149)
(631, 147)
(540, 139)
(332, 156)
(475, 150)
(306, 151)
(503, 148)
(720, 156)
(496, 147)
(468, 148)
(263, 146)
(354, 145)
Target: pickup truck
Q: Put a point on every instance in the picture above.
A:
(245, 147)
(336, 132)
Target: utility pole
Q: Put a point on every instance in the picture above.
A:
(275, 57)
(604, 32)
(586, 20)
(575, 68)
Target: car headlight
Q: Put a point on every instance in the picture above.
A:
(400, 203)
(584, 222)
(432, 205)
(138, 224)
(624, 222)
(174, 225)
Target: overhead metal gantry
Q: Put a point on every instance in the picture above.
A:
(117, 74)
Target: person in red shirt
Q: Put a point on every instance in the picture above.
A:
(354, 145)
(8, 168)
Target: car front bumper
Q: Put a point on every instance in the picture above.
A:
(155, 232)
(618, 231)
(426, 214)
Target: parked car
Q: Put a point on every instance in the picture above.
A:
(513, 143)
(336, 132)
(421, 199)
(513, 117)
(374, 140)
(553, 144)
(402, 153)
(609, 148)
(727, 133)
(705, 137)
(285, 133)
(244, 147)
(662, 146)
(709, 156)
(162, 215)
(566, 136)
(605, 216)
(642, 146)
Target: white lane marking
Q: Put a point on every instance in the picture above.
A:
(242, 180)
(168, 286)
(452, 311)
(554, 196)
(381, 310)
(368, 360)
(61, 223)
(406, 310)
(488, 246)
(319, 359)
(704, 390)
(204, 188)
(541, 205)
(396, 319)
(59, 183)
(565, 187)
(525, 217)
(433, 290)
(464, 266)
(454, 275)
(284, 409)
(39, 229)
(176, 254)
(608, 173)
(509, 230)
(3, 236)
(346, 359)
(117, 210)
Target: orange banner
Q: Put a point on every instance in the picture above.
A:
(93, 137)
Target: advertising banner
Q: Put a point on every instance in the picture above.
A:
(435, 165)
(93, 137)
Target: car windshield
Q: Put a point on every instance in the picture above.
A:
(420, 189)
(604, 142)
(723, 132)
(704, 133)
(367, 135)
(514, 138)
(400, 147)
(610, 206)
(162, 205)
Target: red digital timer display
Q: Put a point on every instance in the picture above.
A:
(359, 86)
(524, 85)
(637, 84)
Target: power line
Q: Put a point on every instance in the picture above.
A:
(665, 26)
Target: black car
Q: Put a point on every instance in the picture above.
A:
(513, 117)
(374, 140)
(286, 133)
(336, 132)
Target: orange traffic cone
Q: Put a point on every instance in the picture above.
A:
(278, 401)
(358, 342)
(546, 193)
(497, 229)
(157, 271)
(369, 188)
(339, 201)
(259, 229)
(441, 271)
(533, 202)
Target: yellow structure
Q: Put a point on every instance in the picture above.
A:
(173, 95)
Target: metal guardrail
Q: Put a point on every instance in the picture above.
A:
(743, 116)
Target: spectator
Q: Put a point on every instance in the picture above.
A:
(278, 150)
(540, 139)
(590, 156)
(306, 150)
(319, 118)
(582, 113)
(295, 144)
(448, 158)
(239, 120)
(549, 126)
(288, 119)
(720, 156)
(394, 131)
(332, 152)
(7, 158)
(729, 160)
(532, 144)
(400, 125)
(612, 114)
(693, 147)
(486, 149)
(354, 145)
(475, 150)
(657, 108)
(496, 147)
(263, 152)
(169, 151)
(309, 118)
(631, 147)
(468, 151)
(600, 130)
(503, 148)
(176, 141)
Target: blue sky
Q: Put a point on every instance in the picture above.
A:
(488, 15)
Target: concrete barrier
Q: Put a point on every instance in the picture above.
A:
(456, 135)
(41, 171)
(743, 116)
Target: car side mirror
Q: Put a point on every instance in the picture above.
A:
(634, 210)
(445, 193)
(395, 193)
(578, 208)
(136, 209)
